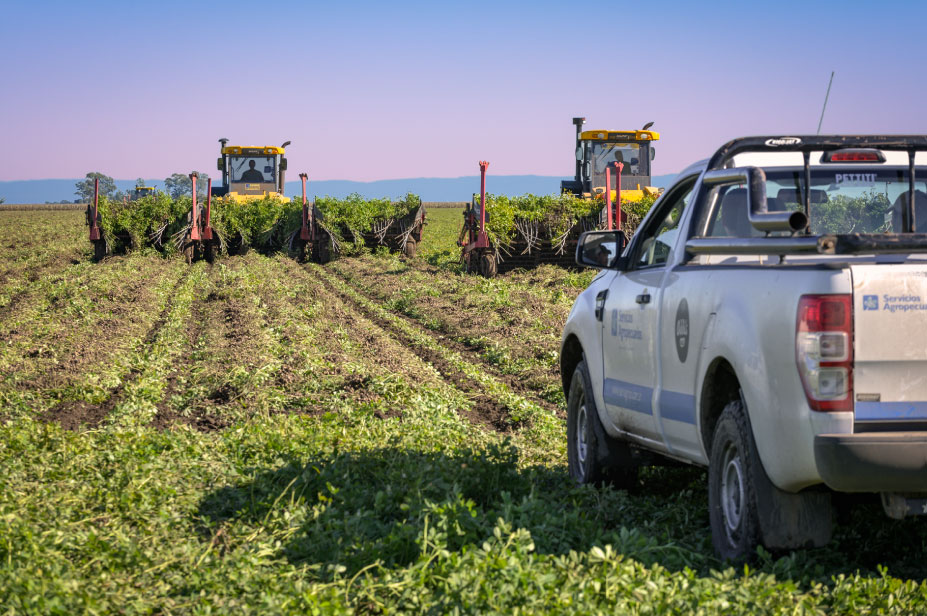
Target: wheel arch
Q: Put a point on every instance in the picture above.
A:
(720, 386)
(571, 353)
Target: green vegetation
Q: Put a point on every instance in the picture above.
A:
(150, 221)
(870, 213)
(262, 223)
(349, 218)
(550, 217)
(377, 435)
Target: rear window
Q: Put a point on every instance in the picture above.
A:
(843, 200)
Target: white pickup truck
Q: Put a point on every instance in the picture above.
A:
(768, 320)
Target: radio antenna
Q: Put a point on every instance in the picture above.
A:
(826, 96)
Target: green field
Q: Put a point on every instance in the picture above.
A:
(376, 435)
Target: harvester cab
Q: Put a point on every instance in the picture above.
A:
(251, 172)
(597, 151)
(142, 191)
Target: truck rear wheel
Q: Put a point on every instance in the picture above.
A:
(732, 502)
(593, 456)
(410, 248)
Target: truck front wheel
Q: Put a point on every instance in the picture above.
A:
(735, 526)
(593, 456)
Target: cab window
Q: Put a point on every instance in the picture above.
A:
(656, 242)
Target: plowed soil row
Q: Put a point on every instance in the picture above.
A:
(381, 352)
(267, 338)
(507, 346)
(69, 342)
(75, 413)
(490, 409)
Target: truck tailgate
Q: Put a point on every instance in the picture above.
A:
(890, 352)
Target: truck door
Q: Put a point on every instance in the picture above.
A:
(632, 316)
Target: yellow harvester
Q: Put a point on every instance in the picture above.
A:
(251, 172)
(598, 149)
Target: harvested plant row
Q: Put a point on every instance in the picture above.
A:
(518, 411)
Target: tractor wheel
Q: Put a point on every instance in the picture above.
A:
(410, 248)
(189, 253)
(99, 250)
(488, 268)
(209, 252)
(470, 263)
(300, 252)
(321, 251)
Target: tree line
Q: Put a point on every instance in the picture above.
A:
(177, 185)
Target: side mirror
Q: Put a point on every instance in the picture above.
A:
(600, 249)
(220, 164)
(653, 152)
(579, 153)
(283, 163)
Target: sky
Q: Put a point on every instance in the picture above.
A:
(381, 90)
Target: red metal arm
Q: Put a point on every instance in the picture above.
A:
(94, 228)
(304, 232)
(195, 229)
(207, 227)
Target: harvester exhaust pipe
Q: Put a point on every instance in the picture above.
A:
(283, 169)
(578, 123)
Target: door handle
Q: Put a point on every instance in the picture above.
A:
(643, 298)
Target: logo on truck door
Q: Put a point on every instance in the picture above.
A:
(682, 330)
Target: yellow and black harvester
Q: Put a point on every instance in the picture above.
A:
(597, 154)
(251, 173)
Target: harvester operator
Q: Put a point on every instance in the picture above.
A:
(252, 174)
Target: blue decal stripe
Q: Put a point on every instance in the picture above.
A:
(678, 407)
(881, 411)
(628, 395)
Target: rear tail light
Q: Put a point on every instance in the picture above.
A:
(824, 350)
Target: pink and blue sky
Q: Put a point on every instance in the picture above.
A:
(376, 90)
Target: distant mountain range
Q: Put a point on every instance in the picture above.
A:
(429, 189)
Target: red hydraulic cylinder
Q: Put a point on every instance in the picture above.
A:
(304, 232)
(482, 240)
(207, 228)
(94, 229)
(195, 228)
(619, 167)
(608, 197)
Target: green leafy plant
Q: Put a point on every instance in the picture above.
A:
(552, 215)
(350, 218)
(149, 221)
